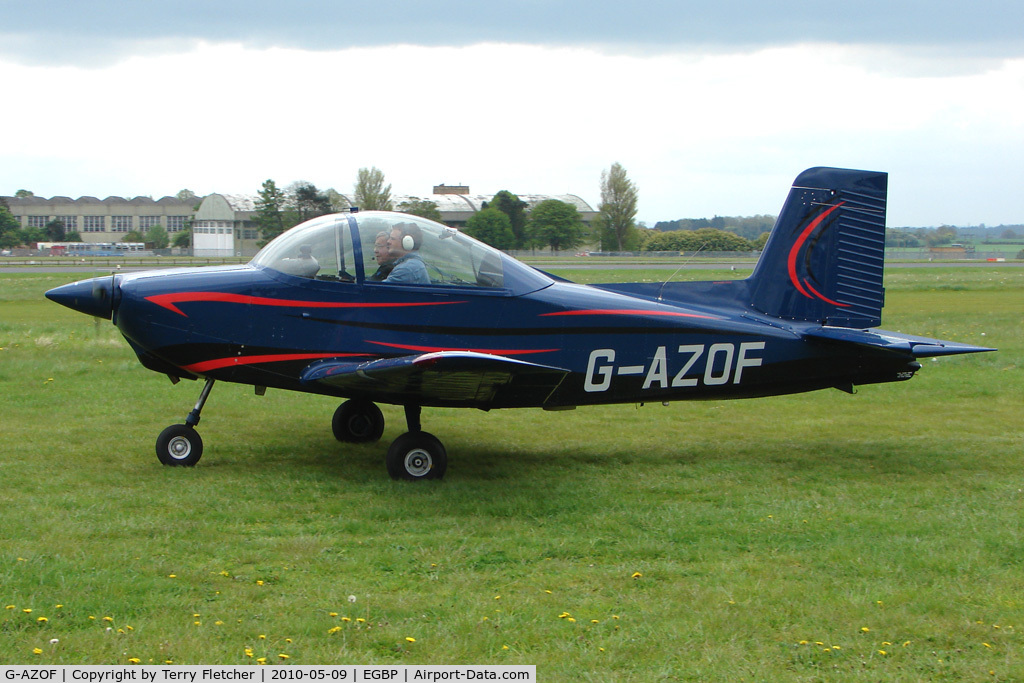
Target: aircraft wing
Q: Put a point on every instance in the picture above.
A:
(451, 378)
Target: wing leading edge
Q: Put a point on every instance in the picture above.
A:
(444, 378)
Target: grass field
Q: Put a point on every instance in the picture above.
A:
(820, 537)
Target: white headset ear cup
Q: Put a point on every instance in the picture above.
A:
(408, 243)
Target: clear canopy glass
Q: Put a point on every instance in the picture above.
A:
(340, 247)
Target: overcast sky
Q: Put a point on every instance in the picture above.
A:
(713, 108)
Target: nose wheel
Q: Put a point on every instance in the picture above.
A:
(180, 445)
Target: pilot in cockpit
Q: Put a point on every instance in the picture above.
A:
(403, 247)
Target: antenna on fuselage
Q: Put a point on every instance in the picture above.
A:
(683, 265)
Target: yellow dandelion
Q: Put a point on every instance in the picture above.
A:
(283, 656)
(262, 636)
(332, 614)
(864, 629)
(27, 610)
(360, 620)
(42, 620)
(134, 660)
(571, 620)
(410, 640)
(882, 652)
(334, 630)
(804, 642)
(108, 619)
(57, 606)
(564, 615)
(504, 647)
(248, 652)
(600, 649)
(346, 619)
(9, 607)
(836, 647)
(497, 597)
(594, 621)
(987, 645)
(36, 651)
(288, 640)
(259, 582)
(261, 660)
(637, 575)
(218, 623)
(548, 592)
(906, 643)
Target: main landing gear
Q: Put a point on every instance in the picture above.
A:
(181, 445)
(413, 456)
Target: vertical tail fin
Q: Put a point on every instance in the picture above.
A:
(823, 260)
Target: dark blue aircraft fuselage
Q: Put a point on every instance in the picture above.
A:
(456, 323)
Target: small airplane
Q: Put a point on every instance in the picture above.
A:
(441, 319)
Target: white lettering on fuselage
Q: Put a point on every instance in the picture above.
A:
(698, 364)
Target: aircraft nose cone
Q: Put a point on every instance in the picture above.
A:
(93, 297)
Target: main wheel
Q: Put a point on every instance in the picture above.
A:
(415, 456)
(179, 446)
(357, 421)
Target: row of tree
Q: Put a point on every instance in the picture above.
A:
(506, 222)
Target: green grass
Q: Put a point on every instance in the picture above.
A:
(784, 539)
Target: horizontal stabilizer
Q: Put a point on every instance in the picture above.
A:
(905, 344)
(453, 378)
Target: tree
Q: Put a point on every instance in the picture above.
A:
(24, 194)
(492, 227)
(187, 196)
(183, 239)
(55, 230)
(269, 214)
(423, 208)
(515, 208)
(9, 229)
(157, 235)
(370, 192)
(618, 204)
(556, 224)
(133, 236)
(308, 201)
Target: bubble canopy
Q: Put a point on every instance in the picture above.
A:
(340, 248)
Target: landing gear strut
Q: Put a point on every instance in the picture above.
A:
(416, 454)
(180, 445)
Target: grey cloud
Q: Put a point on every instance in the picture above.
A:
(55, 31)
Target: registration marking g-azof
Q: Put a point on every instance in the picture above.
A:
(697, 364)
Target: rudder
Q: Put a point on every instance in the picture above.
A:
(824, 259)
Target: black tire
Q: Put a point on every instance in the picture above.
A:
(358, 422)
(179, 446)
(415, 456)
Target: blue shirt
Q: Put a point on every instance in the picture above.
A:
(409, 270)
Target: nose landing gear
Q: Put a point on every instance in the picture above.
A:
(180, 445)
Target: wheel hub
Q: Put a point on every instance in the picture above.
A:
(179, 448)
(418, 462)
